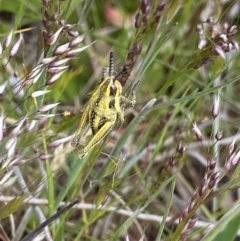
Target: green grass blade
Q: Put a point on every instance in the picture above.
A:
(226, 228)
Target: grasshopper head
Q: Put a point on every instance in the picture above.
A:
(109, 85)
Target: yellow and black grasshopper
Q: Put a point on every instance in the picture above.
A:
(106, 106)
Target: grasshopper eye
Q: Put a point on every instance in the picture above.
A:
(105, 75)
(105, 72)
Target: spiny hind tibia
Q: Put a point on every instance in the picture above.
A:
(106, 105)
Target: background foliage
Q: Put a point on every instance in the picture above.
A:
(171, 171)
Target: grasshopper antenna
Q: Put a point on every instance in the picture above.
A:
(111, 64)
(120, 72)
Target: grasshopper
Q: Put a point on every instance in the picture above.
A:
(106, 106)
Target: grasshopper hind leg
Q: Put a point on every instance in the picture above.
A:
(81, 129)
(106, 128)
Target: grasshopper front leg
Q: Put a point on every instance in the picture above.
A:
(127, 101)
(106, 128)
(81, 129)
